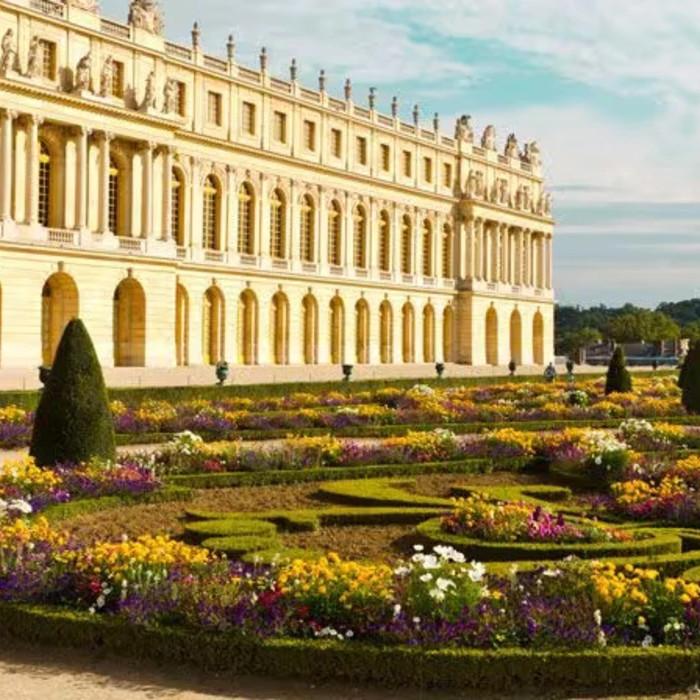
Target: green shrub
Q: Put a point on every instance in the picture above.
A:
(237, 527)
(618, 379)
(385, 492)
(689, 380)
(73, 422)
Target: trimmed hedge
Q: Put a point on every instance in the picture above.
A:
(656, 542)
(382, 492)
(293, 476)
(504, 670)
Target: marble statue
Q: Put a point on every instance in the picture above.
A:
(83, 74)
(463, 129)
(9, 52)
(107, 78)
(511, 149)
(149, 100)
(171, 97)
(33, 61)
(488, 139)
(146, 14)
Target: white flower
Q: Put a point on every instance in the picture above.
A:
(418, 547)
(426, 578)
(430, 562)
(397, 610)
(551, 573)
(598, 617)
(437, 595)
(647, 641)
(444, 584)
(477, 571)
(402, 571)
(349, 634)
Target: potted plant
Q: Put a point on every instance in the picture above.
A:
(440, 369)
(512, 367)
(347, 372)
(222, 371)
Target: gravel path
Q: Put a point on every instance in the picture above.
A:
(44, 674)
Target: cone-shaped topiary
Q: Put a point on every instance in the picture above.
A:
(689, 379)
(73, 422)
(618, 378)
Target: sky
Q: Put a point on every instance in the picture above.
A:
(610, 89)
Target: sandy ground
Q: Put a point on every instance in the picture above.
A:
(43, 674)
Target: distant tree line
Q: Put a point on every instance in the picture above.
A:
(578, 327)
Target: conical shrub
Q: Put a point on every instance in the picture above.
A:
(689, 380)
(618, 378)
(73, 422)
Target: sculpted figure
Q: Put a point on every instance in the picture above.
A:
(89, 5)
(493, 197)
(146, 14)
(548, 204)
(149, 100)
(471, 184)
(9, 52)
(503, 191)
(463, 129)
(488, 140)
(33, 66)
(82, 74)
(511, 149)
(532, 153)
(526, 198)
(480, 187)
(170, 97)
(107, 77)
(519, 198)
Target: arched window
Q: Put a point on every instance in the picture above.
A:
(248, 328)
(427, 249)
(182, 326)
(59, 305)
(278, 233)
(362, 332)
(279, 329)
(246, 219)
(428, 333)
(386, 333)
(491, 337)
(213, 326)
(538, 338)
(337, 324)
(408, 318)
(310, 327)
(335, 227)
(177, 202)
(448, 320)
(406, 246)
(129, 324)
(115, 177)
(44, 184)
(210, 214)
(384, 242)
(360, 236)
(516, 337)
(307, 217)
(447, 244)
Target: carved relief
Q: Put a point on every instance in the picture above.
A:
(9, 61)
(146, 14)
(149, 99)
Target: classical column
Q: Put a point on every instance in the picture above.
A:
(230, 226)
(505, 254)
(168, 192)
(7, 119)
(147, 191)
(105, 141)
(34, 122)
(81, 188)
(549, 262)
(520, 243)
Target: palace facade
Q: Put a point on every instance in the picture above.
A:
(190, 210)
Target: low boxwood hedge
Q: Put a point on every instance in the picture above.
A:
(655, 542)
(380, 492)
(498, 671)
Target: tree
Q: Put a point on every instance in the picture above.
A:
(73, 422)
(689, 379)
(618, 378)
(574, 344)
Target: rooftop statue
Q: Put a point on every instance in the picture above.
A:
(146, 14)
(89, 5)
(511, 150)
(463, 129)
(488, 140)
(532, 153)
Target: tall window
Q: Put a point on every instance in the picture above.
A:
(113, 203)
(447, 175)
(176, 208)
(210, 207)
(386, 157)
(248, 118)
(337, 143)
(214, 108)
(360, 236)
(280, 127)
(47, 51)
(44, 184)
(310, 135)
(278, 243)
(246, 239)
(307, 229)
(334, 234)
(181, 93)
(427, 249)
(428, 169)
(384, 242)
(406, 246)
(361, 150)
(447, 252)
(407, 160)
(118, 80)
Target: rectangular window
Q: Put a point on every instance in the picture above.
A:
(337, 143)
(310, 135)
(249, 118)
(279, 125)
(386, 157)
(181, 97)
(447, 175)
(428, 169)
(118, 80)
(214, 108)
(407, 164)
(361, 150)
(47, 54)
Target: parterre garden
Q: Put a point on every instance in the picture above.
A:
(494, 537)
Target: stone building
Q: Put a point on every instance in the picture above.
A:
(191, 209)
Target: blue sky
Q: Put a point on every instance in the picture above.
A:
(609, 88)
